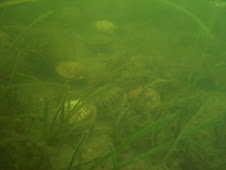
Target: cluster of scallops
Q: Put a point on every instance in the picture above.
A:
(142, 98)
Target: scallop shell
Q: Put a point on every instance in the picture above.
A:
(70, 70)
(133, 93)
(83, 111)
(105, 26)
(147, 100)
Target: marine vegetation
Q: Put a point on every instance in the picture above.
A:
(101, 84)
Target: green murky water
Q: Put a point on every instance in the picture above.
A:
(112, 84)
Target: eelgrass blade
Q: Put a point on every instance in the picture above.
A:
(164, 146)
(114, 158)
(194, 130)
(62, 113)
(14, 2)
(132, 138)
(45, 115)
(29, 76)
(172, 142)
(55, 118)
(203, 125)
(185, 12)
(143, 155)
(75, 155)
(16, 64)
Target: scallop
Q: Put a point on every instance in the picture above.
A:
(153, 98)
(105, 26)
(70, 70)
(147, 100)
(83, 111)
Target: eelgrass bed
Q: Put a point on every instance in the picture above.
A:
(158, 103)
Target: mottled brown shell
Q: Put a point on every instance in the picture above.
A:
(70, 70)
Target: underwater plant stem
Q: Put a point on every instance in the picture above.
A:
(17, 39)
(203, 125)
(14, 2)
(184, 134)
(114, 158)
(171, 143)
(32, 84)
(211, 23)
(80, 143)
(45, 115)
(143, 155)
(68, 92)
(53, 123)
(186, 12)
(29, 76)
(37, 20)
(132, 138)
